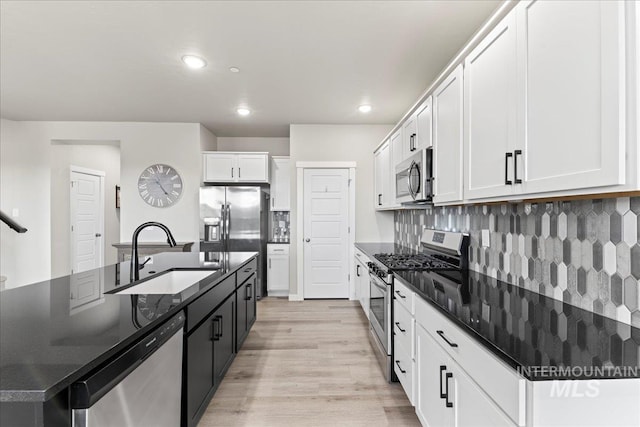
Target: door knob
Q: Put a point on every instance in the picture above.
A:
(98, 235)
(307, 240)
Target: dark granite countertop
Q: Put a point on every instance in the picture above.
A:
(541, 337)
(54, 332)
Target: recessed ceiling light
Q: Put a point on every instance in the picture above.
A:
(364, 108)
(244, 111)
(194, 62)
(234, 69)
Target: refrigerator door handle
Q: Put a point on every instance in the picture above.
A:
(228, 222)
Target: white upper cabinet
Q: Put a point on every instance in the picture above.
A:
(447, 138)
(383, 176)
(490, 104)
(280, 184)
(571, 86)
(397, 149)
(219, 167)
(235, 167)
(423, 125)
(409, 134)
(253, 168)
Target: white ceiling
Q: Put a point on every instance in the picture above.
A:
(300, 61)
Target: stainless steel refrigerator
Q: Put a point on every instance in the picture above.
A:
(236, 219)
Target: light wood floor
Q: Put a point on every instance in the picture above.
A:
(308, 363)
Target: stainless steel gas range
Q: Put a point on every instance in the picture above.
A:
(443, 253)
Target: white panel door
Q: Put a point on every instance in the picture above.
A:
(253, 168)
(572, 91)
(87, 227)
(220, 167)
(447, 138)
(325, 234)
(490, 104)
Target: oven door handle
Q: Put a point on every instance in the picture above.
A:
(381, 287)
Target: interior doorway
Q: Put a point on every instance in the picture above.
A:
(86, 218)
(326, 225)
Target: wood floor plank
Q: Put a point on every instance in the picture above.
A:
(308, 363)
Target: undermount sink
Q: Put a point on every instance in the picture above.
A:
(171, 283)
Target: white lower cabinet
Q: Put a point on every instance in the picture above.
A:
(445, 394)
(404, 349)
(361, 282)
(278, 270)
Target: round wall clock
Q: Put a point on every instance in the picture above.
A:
(160, 185)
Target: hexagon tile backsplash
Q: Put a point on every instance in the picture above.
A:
(583, 252)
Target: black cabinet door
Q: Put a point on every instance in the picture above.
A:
(223, 343)
(252, 288)
(241, 316)
(199, 368)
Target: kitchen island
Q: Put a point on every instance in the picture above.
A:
(55, 332)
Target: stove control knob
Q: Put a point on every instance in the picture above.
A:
(381, 273)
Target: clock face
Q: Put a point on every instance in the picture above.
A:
(160, 186)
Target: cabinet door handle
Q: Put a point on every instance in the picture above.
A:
(400, 295)
(220, 327)
(269, 263)
(442, 369)
(231, 172)
(239, 175)
(379, 199)
(273, 200)
(358, 270)
(507, 156)
(446, 389)
(400, 367)
(515, 166)
(452, 344)
(400, 327)
(248, 292)
(214, 329)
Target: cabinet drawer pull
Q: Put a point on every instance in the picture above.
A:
(400, 295)
(214, 336)
(400, 367)
(220, 327)
(358, 270)
(379, 199)
(507, 156)
(515, 166)
(442, 369)
(239, 176)
(441, 333)
(231, 172)
(399, 327)
(446, 389)
(269, 263)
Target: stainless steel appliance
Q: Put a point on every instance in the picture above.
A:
(236, 219)
(444, 256)
(414, 179)
(140, 387)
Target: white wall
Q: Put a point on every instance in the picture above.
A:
(24, 185)
(274, 146)
(96, 155)
(341, 143)
(208, 141)
(26, 170)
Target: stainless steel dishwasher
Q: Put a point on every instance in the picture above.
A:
(140, 388)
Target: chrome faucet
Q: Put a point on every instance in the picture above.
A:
(134, 269)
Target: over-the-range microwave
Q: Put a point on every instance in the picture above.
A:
(414, 179)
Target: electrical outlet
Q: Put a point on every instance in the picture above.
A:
(486, 239)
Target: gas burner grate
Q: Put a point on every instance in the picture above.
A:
(412, 262)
